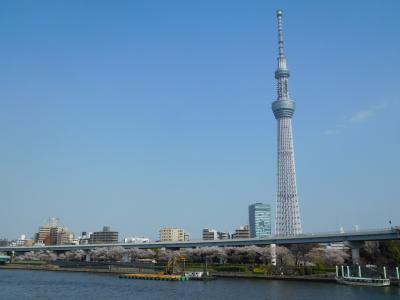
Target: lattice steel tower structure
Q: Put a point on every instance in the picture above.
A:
(287, 204)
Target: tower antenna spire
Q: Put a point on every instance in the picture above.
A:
(279, 14)
(282, 73)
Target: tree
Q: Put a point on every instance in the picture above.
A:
(30, 256)
(299, 252)
(335, 257)
(326, 257)
(284, 257)
(370, 252)
(39, 255)
(47, 256)
(220, 255)
(74, 255)
(251, 252)
(391, 252)
(264, 254)
(164, 254)
(136, 253)
(99, 254)
(116, 253)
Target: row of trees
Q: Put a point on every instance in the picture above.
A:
(293, 256)
(381, 253)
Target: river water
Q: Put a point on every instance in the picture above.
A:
(23, 284)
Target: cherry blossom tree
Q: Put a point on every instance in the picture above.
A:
(324, 256)
(284, 257)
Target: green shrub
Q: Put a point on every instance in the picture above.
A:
(322, 270)
(259, 270)
(30, 262)
(230, 268)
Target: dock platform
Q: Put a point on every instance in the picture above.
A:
(154, 277)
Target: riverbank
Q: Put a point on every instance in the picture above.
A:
(48, 267)
(327, 278)
(311, 278)
(123, 270)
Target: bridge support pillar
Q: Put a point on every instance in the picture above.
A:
(125, 258)
(273, 254)
(87, 259)
(355, 251)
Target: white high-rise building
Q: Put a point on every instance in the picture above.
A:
(288, 221)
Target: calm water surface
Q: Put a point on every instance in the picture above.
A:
(21, 284)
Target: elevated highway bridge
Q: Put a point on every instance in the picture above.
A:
(354, 240)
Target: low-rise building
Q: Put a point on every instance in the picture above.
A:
(223, 235)
(170, 234)
(209, 234)
(52, 233)
(336, 246)
(106, 236)
(186, 237)
(22, 241)
(242, 232)
(84, 238)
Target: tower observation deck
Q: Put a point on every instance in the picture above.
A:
(288, 221)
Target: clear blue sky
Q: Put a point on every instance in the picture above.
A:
(142, 114)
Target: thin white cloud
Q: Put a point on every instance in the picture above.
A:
(366, 114)
(361, 116)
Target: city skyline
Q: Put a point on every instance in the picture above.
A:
(131, 110)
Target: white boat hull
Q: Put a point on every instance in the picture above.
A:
(358, 281)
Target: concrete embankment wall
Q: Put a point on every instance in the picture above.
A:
(106, 269)
(274, 277)
(312, 278)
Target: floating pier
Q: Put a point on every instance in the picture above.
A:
(154, 277)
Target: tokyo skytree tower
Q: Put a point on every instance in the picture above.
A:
(287, 204)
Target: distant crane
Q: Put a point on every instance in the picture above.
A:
(176, 265)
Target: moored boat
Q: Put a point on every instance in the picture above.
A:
(202, 276)
(363, 281)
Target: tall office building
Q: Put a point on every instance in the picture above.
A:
(288, 221)
(260, 220)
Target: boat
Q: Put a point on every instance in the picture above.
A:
(4, 259)
(363, 281)
(173, 272)
(202, 276)
(177, 265)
